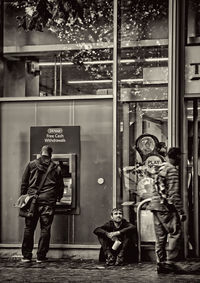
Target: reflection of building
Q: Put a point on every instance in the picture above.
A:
(78, 82)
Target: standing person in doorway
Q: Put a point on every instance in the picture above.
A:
(117, 239)
(167, 209)
(50, 192)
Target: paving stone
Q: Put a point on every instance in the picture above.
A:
(70, 270)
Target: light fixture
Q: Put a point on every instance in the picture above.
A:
(155, 109)
(105, 81)
(90, 82)
(49, 64)
(131, 80)
(122, 61)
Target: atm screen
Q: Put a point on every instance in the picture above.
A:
(65, 168)
(67, 179)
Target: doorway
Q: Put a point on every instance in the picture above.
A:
(143, 136)
(193, 149)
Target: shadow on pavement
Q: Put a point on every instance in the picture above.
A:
(183, 267)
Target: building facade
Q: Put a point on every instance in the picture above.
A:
(127, 77)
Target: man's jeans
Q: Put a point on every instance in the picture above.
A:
(46, 214)
(167, 226)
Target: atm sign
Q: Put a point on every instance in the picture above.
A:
(63, 139)
(55, 131)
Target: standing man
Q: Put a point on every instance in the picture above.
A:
(116, 238)
(167, 209)
(51, 191)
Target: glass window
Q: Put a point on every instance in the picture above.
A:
(73, 55)
(193, 21)
(77, 72)
(142, 105)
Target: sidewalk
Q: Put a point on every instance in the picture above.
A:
(69, 270)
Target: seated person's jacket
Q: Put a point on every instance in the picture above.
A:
(125, 228)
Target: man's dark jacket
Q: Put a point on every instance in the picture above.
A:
(52, 189)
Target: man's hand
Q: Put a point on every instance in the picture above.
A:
(111, 235)
(126, 169)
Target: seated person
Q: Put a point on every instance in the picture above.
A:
(117, 239)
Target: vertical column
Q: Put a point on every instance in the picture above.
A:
(1, 47)
(177, 130)
(126, 148)
(115, 95)
(60, 74)
(183, 127)
(1, 94)
(173, 70)
(184, 174)
(195, 176)
(55, 76)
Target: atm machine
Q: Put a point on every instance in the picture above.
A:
(65, 142)
(67, 162)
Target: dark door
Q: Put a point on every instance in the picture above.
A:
(193, 125)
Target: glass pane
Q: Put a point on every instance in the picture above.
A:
(193, 21)
(71, 56)
(144, 135)
(142, 105)
(74, 22)
(77, 72)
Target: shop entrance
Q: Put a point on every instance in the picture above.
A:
(144, 139)
(193, 146)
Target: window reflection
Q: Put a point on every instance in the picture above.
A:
(143, 99)
(76, 72)
(143, 19)
(193, 21)
(144, 145)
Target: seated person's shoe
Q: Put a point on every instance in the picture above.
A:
(110, 260)
(119, 261)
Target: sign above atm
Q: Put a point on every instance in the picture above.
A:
(54, 135)
(63, 139)
(192, 71)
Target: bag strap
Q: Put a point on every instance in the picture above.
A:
(44, 178)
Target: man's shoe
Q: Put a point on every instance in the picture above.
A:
(163, 267)
(24, 259)
(110, 260)
(41, 260)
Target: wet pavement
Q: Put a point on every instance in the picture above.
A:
(71, 270)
